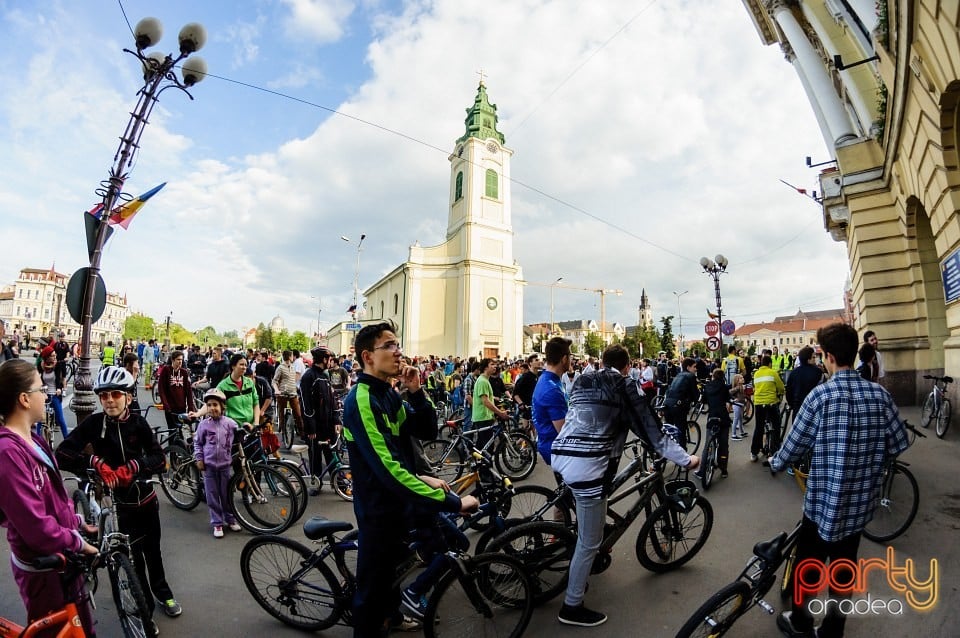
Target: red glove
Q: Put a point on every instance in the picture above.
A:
(124, 476)
(106, 472)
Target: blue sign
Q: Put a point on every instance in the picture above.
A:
(728, 327)
(950, 269)
(353, 327)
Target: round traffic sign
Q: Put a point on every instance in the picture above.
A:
(711, 328)
(76, 289)
(728, 327)
(713, 344)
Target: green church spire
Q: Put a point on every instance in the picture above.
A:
(482, 118)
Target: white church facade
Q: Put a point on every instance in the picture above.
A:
(465, 296)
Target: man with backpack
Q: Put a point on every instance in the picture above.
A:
(321, 416)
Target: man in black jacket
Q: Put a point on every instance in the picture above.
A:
(321, 414)
(680, 396)
(803, 379)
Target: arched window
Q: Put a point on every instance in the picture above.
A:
(492, 184)
(396, 303)
(458, 193)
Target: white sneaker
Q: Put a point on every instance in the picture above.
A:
(235, 527)
(753, 458)
(217, 531)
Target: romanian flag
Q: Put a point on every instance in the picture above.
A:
(123, 215)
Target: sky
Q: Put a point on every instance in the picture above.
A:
(646, 134)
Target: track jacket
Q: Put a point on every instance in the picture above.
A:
(387, 492)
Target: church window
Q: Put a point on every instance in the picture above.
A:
(396, 303)
(493, 185)
(458, 193)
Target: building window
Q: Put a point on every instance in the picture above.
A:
(493, 184)
(458, 193)
(20, 294)
(396, 303)
(764, 342)
(381, 310)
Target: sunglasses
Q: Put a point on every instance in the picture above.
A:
(111, 394)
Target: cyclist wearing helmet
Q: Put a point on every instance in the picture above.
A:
(124, 451)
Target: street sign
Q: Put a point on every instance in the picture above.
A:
(728, 327)
(353, 327)
(713, 343)
(711, 328)
(76, 288)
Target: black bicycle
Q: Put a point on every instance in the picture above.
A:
(482, 595)
(513, 452)
(710, 461)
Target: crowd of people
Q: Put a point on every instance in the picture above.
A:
(580, 413)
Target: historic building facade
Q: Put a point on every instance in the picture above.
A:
(883, 81)
(465, 296)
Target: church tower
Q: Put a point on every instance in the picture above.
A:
(646, 312)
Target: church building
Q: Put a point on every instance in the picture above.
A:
(465, 296)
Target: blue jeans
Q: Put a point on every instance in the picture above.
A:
(57, 403)
(591, 516)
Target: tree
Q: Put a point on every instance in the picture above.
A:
(632, 344)
(593, 344)
(138, 326)
(651, 341)
(300, 341)
(699, 348)
(666, 335)
(264, 338)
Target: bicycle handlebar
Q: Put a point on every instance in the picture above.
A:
(945, 379)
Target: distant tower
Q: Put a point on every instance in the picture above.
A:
(646, 312)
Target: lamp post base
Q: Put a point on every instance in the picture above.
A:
(84, 401)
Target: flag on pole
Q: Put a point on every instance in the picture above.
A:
(712, 315)
(123, 215)
(352, 308)
(95, 211)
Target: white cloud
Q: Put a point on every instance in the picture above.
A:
(677, 131)
(243, 36)
(321, 21)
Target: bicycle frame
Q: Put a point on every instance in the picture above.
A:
(66, 619)
(761, 571)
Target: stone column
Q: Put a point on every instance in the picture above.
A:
(834, 113)
(791, 57)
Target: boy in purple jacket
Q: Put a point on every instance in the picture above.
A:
(212, 445)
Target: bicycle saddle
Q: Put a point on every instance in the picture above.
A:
(318, 527)
(298, 448)
(769, 551)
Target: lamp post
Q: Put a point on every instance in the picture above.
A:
(680, 319)
(715, 267)
(158, 75)
(356, 273)
(552, 286)
(319, 309)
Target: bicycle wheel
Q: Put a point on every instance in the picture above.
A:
(288, 431)
(669, 537)
(285, 579)
(267, 504)
(516, 456)
(545, 549)
(181, 482)
(81, 505)
(446, 457)
(717, 615)
(747, 410)
(693, 437)
(926, 412)
(128, 595)
(341, 481)
(943, 419)
(709, 461)
(493, 598)
(896, 506)
(294, 474)
(155, 393)
(536, 502)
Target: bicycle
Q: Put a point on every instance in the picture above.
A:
(771, 434)
(710, 461)
(181, 481)
(93, 502)
(513, 452)
(263, 499)
(678, 523)
(937, 405)
(717, 615)
(486, 594)
(49, 424)
(341, 477)
(65, 620)
(288, 425)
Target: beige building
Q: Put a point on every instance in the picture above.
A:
(36, 304)
(465, 296)
(883, 81)
(789, 333)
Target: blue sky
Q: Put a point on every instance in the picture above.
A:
(669, 119)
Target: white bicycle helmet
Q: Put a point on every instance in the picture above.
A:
(114, 378)
(215, 393)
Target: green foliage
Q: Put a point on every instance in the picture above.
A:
(593, 344)
(264, 338)
(632, 344)
(666, 336)
(138, 326)
(699, 348)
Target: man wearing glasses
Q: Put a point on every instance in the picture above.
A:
(388, 495)
(124, 451)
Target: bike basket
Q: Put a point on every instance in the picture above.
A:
(682, 493)
(748, 390)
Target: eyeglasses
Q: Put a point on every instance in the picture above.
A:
(390, 346)
(40, 389)
(111, 394)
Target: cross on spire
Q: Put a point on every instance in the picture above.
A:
(481, 74)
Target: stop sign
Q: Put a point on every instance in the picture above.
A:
(711, 328)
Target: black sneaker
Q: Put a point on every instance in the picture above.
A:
(785, 625)
(580, 616)
(413, 604)
(150, 629)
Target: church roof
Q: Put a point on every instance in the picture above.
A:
(482, 118)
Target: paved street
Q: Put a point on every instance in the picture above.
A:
(749, 506)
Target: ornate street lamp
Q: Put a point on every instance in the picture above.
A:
(158, 75)
(356, 274)
(714, 267)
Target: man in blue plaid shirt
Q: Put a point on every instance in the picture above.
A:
(851, 425)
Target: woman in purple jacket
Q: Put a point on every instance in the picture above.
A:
(34, 506)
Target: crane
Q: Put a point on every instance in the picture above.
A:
(603, 292)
